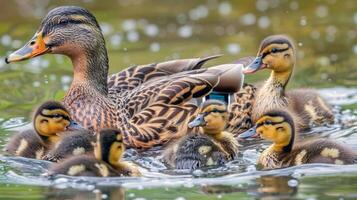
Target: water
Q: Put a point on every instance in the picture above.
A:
(139, 32)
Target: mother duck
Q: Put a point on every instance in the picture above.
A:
(148, 103)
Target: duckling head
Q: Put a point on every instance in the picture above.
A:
(109, 146)
(52, 118)
(276, 53)
(275, 126)
(212, 117)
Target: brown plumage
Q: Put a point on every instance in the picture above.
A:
(72, 143)
(279, 127)
(106, 160)
(277, 53)
(148, 103)
(50, 121)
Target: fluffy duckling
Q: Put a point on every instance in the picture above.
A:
(279, 127)
(214, 147)
(277, 53)
(49, 121)
(72, 143)
(108, 151)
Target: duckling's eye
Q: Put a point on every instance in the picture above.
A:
(57, 116)
(274, 50)
(268, 122)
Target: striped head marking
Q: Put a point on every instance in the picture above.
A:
(212, 117)
(51, 118)
(276, 52)
(109, 146)
(277, 127)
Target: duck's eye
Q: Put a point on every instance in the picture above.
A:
(56, 115)
(274, 50)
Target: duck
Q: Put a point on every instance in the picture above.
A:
(151, 104)
(72, 143)
(279, 127)
(106, 160)
(50, 120)
(278, 54)
(211, 145)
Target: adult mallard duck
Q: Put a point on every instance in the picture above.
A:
(277, 53)
(210, 146)
(50, 121)
(148, 103)
(106, 161)
(279, 127)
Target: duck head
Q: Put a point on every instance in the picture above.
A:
(72, 31)
(276, 53)
(52, 118)
(109, 146)
(275, 126)
(212, 117)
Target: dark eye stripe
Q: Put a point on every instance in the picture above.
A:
(59, 115)
(270, 123)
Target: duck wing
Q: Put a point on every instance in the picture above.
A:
(175, 89)
(157, 124)
(130, 78)
(240, 110)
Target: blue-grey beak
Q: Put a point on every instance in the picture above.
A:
(74, 126)
(249, 133)
(198, 121)
(254, 66)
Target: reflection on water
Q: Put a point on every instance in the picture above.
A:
(140, 32)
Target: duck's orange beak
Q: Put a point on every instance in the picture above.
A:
(35, 47)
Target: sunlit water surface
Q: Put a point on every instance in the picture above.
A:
(139, 32)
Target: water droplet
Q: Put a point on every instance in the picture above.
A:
(115, 40)
(248, 19)
(155, 47)
(300, 44)
(262, 5)
(132, 36)
(224, 8)
(185, 31)
(6, 40)
(151, 30)
(128, 25)
(293, 183)
(106, 28)
(264, 22)
(233, 48)
(321, 11)
(354, 48)
(303, 21)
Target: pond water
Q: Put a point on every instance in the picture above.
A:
(139, 32)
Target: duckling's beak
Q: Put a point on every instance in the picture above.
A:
(249, 133)
(74, 126)
(35, 47)
(198, 121)
(256, 65)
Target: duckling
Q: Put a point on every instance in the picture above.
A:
(49, 121)
(154, 95)
(71, 144)
(277, 53)
(214, 147)
(106, 161)
(279, 127)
